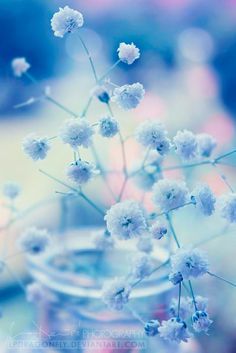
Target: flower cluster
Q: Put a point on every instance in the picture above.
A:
(127, 219)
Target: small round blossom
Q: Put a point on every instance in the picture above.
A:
(116, 293)
(189, 262)
(11, 190)
(174, 330)
(185, 308)
(158, 230)
(128, 96)
(145, 244)
(102, 240)
(201, 321)
(101, 93)
(20, 66)
(206, 144)
(66, 20)
(142, 266)
(227, 205)
(186, 145)
(77, 133)
(153, 135)
(204, 199)
(175, 278)
(126, 220)
(80, 172)
(34, 241)
(36, 147)
(108, 127)
(128, 53)
(151, 328)
(169, 194)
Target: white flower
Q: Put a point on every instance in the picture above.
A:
(128, 53)
(204, 199)
(128, 96)
(36, 147)
(189, 263)
(142, 266)
(201, 321)
(108, 126)
(126, 220)
(116, 293)
(34, 240)
(169, 194)
(66, 20)
(206, 144)
(152, 134)
(80, 172)
(77, 133)
(20, 66)
(174, 330)
(186, 145)
(227, 205)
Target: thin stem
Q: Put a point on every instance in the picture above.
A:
(151, 273)
(225, 155)
(222, 279)
(109, 70)
(135, 314)
(61, 106)
(85, 110)
(90, 58)
(223, 178)
(168, 217)
(193, 296)
(180, 287)
(91, 203)
(155, 215)
(80, 193)
(185, 166)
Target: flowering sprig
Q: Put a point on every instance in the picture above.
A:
(128, 219)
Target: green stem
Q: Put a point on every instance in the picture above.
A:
(222, 279)
(168, 217)
(61, 106)
(109, 70)
(90, 58)
(193, 296)
(85, 110)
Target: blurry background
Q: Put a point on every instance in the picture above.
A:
(187, 66)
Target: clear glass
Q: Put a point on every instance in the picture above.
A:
(75, 318)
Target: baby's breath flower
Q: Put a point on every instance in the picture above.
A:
(204, 199)
(102, 240)
(153, 135)
(19, 66)
(36, 147)
(142, 266)
(190, 263)
(151, 328)
(116, 293)
(169, 194)
(227, 205)
(145, 244)
(186, 145)
(158, 230)
(174, 330)
(108, 126)
(101, 93)
(201, 321)
(206, 144)
(128, 96)
(126, 220)
(175, 278)
(80, 172)
(11, 190)
(66, 20)
(185, 308)
(128, 53)
(34, 240)
(77, 133)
